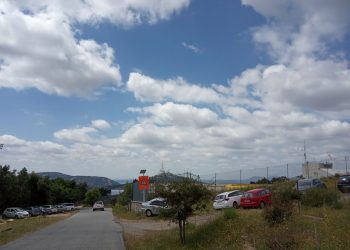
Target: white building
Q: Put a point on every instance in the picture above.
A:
(319, 169)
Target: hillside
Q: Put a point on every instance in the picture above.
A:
(91, 181)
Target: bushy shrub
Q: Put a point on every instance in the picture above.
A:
(316, 197)
(281, 209)
(230, 214)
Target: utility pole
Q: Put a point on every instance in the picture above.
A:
(215, 182)
(346, 165)
(287, 172)
(306, 162)
(267, 173)
(240, 178)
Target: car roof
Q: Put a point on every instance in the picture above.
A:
(228, 192)
(157, 199)
(255, 190)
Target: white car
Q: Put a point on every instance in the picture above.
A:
(153, 206)
(98, 205)
(15, 212)
(228, 199)
(68, 206)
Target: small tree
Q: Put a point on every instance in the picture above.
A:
(92, 195)
(183, 198)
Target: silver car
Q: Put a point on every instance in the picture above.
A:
(153, 206)
(15, 212)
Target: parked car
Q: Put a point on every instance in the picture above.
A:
(49, 209)
(60, 208)
(15, 212)
(228, 199)
(304, 184)
(343, 183)
(69, 206)
(258, 197)
(33, 211)
(98, 205)
(153, 206)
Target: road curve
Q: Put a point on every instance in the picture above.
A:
(85, 230)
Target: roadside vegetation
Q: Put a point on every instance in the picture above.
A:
(22, 189)
(317, 219)
(14, 229)
(122, 212)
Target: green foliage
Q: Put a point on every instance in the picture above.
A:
(316, 197)
(23, 189)
(123, 213)
(184, 197)
(124, 198)
(92, 195)
(230, 214)
(281, 208)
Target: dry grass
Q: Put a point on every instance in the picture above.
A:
(324, 228)
(14, 229)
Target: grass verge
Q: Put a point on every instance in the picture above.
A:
(12, 230)
(123, 213)
(323, 228)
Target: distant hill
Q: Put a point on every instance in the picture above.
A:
(91, 181)
(165, 177)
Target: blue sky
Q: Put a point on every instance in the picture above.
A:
(207, 86)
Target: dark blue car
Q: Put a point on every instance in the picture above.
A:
(343, 183)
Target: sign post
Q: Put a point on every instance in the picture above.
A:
(143, 184)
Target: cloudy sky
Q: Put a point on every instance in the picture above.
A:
(108, 87)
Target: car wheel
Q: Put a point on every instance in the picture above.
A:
(148, 213)
(235, 205)
(16, 216)
(262, 205)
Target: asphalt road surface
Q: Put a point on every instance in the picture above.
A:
(85, 230)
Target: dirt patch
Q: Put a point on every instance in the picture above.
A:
(143, 227)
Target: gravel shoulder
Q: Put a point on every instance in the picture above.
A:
(143, 227)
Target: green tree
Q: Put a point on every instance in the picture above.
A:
(126, 196)
(92, 195)
(184, 197)
(8, 187)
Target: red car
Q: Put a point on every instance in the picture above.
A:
(258, 197)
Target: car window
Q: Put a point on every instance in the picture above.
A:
(248, 195)
(155, 203)
(304, 183)
(220, 197)
(314, 182)
(232, 194)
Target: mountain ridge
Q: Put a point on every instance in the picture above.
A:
(91, 181)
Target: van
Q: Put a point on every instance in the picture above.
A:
(304, 184)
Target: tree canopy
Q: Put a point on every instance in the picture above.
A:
(23, 189)
(183, 198)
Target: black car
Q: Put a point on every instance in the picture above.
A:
(343, 183)
(33, 211)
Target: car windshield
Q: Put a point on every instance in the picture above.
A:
(220, 197)
(248, 195)
(304, 183)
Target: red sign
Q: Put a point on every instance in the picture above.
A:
(143, 182)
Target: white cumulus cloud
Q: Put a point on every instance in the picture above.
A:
(148, 89)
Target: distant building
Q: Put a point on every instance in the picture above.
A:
(319, 169)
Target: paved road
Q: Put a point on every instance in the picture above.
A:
(85, 230)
